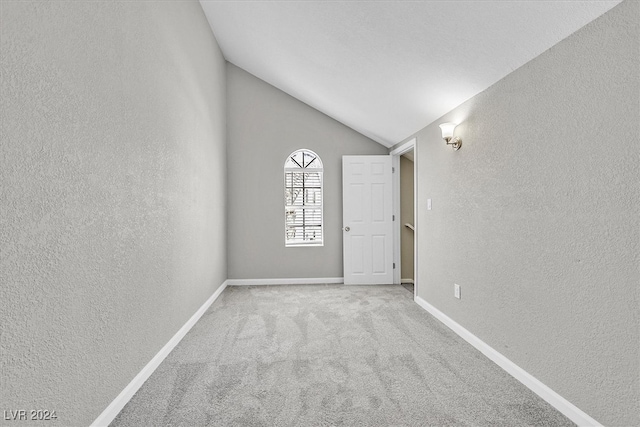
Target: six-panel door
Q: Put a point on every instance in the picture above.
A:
(367, 220)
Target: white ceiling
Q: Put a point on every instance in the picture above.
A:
(389, 68)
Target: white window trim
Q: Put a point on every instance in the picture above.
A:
(320, 171)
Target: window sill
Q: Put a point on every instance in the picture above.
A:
(303, 245)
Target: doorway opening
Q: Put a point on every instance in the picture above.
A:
(404, 208)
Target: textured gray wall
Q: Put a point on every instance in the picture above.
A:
(113, 194)
(406, 216)
(264, 126)
(537, 217)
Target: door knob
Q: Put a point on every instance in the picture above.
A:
(347, 229)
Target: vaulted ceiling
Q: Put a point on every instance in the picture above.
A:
(389, 68)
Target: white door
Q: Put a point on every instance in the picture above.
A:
(367, 220)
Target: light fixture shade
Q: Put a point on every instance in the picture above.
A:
(447, 130)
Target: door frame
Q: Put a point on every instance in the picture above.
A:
(397, 228)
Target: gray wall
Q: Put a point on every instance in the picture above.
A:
(537, 218)
(406, 216)
(265, 125)
(113, 194)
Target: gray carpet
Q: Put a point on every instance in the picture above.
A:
(408, 286)
(325, 355)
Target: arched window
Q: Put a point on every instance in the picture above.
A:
(303, 199)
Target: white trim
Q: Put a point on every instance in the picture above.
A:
(114, 408)
(297, 281)
(554, 399)
(397, 229)
(407, 281)
(407, 146)
(415, 217)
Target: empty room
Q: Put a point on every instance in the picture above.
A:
(319, 213)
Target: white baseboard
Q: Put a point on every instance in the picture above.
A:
(410, 281)
(300, 281)
(569, 410)
(108, 415)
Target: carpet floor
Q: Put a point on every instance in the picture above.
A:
(408, 286)
(329, 355)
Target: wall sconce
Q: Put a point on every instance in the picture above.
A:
(447, 135)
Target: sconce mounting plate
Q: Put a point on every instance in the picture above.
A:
(455, 142)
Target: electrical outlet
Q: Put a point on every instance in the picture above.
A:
(456, 290)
